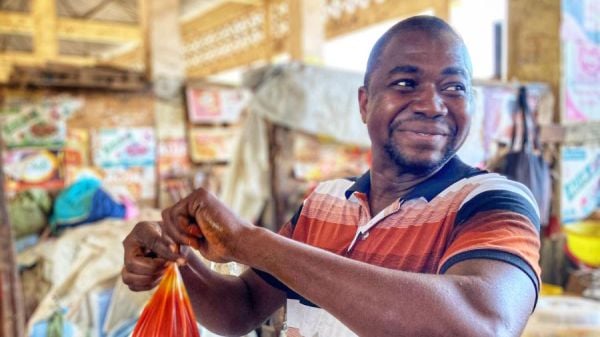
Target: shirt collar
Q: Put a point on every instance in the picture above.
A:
(361, 184)
(453, 171)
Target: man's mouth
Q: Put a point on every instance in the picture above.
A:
(422, 128)
(422, 132)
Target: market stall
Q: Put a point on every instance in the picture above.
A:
(108, 114)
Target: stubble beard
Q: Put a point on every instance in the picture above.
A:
(406, 164)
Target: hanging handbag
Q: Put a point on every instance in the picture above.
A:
(526, 164)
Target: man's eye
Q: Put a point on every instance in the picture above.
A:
(404, 83)
(455, 87)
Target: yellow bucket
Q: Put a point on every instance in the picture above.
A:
(583, 241)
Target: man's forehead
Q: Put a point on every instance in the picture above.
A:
(426, 46)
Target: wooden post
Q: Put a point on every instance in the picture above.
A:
(143, 15)
(441, 9)
(534, 42)
(45, 42)
(166, 69)
(307, 30)
(267, 30)
(12, 315)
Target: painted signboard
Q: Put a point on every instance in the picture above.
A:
(124, 147)
(580, 185)
(215, 105)
(581, 58)
(29, 168)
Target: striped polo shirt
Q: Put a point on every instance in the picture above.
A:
(460, 213)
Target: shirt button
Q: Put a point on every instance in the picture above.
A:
(365, 236)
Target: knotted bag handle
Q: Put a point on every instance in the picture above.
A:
(523, 108)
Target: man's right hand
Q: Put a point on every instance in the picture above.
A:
(147, 254)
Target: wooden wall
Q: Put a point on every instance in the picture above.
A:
(534, 42)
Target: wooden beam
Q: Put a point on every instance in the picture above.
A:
(375, 13)
(98, 7)
(66, 28)
(130, 57)
(87, 30)
(223, 14)
(15, 23)
(572, 134)
(238, 59)
(247, 2)
(19, 58)
(8, 59)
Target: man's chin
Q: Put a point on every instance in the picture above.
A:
(418, 164)
(419, 167)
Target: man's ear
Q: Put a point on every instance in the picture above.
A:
(363, 100)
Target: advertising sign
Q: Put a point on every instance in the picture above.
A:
(580, 185)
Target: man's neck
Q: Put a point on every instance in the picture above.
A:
(390, 183)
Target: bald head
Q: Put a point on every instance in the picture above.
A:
(430, 25)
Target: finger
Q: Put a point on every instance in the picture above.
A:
(191, 230)
(152, 238)
(176, 222)
(146, 265)
(147, 237)
(140, 282)
(175, 248)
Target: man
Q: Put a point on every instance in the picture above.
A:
(421, 245)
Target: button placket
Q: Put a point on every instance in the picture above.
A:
(362, 231)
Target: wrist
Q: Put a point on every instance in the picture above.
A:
(252, 245)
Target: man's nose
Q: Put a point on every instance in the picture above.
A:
(429, 102)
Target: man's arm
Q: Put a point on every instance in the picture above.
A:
(226, 305)
(473, 298)
(229, 305)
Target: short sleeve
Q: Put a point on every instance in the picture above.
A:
(498, 222)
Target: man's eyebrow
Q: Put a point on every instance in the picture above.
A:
(455, 71)
(404, 69)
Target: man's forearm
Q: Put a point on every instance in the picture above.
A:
(386, 302)
(222, 303)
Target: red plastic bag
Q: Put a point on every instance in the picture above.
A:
(169, 312)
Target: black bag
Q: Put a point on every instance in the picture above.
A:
(524, 164)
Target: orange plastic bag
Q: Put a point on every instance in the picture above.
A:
(169, 312)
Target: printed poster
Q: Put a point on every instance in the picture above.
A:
(173, 157)
(32, 168)
(124, 147)
(41, 124)
(215, 105)
(212, 144)
(580, 185)
(581, 55)
(77, 147)
(138, 183)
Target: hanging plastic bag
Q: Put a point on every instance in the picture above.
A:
(169, 312)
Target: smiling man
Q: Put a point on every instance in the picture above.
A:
(420, 245)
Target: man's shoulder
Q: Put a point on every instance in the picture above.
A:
(335, 187)
(490, 181)
(492, 191)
